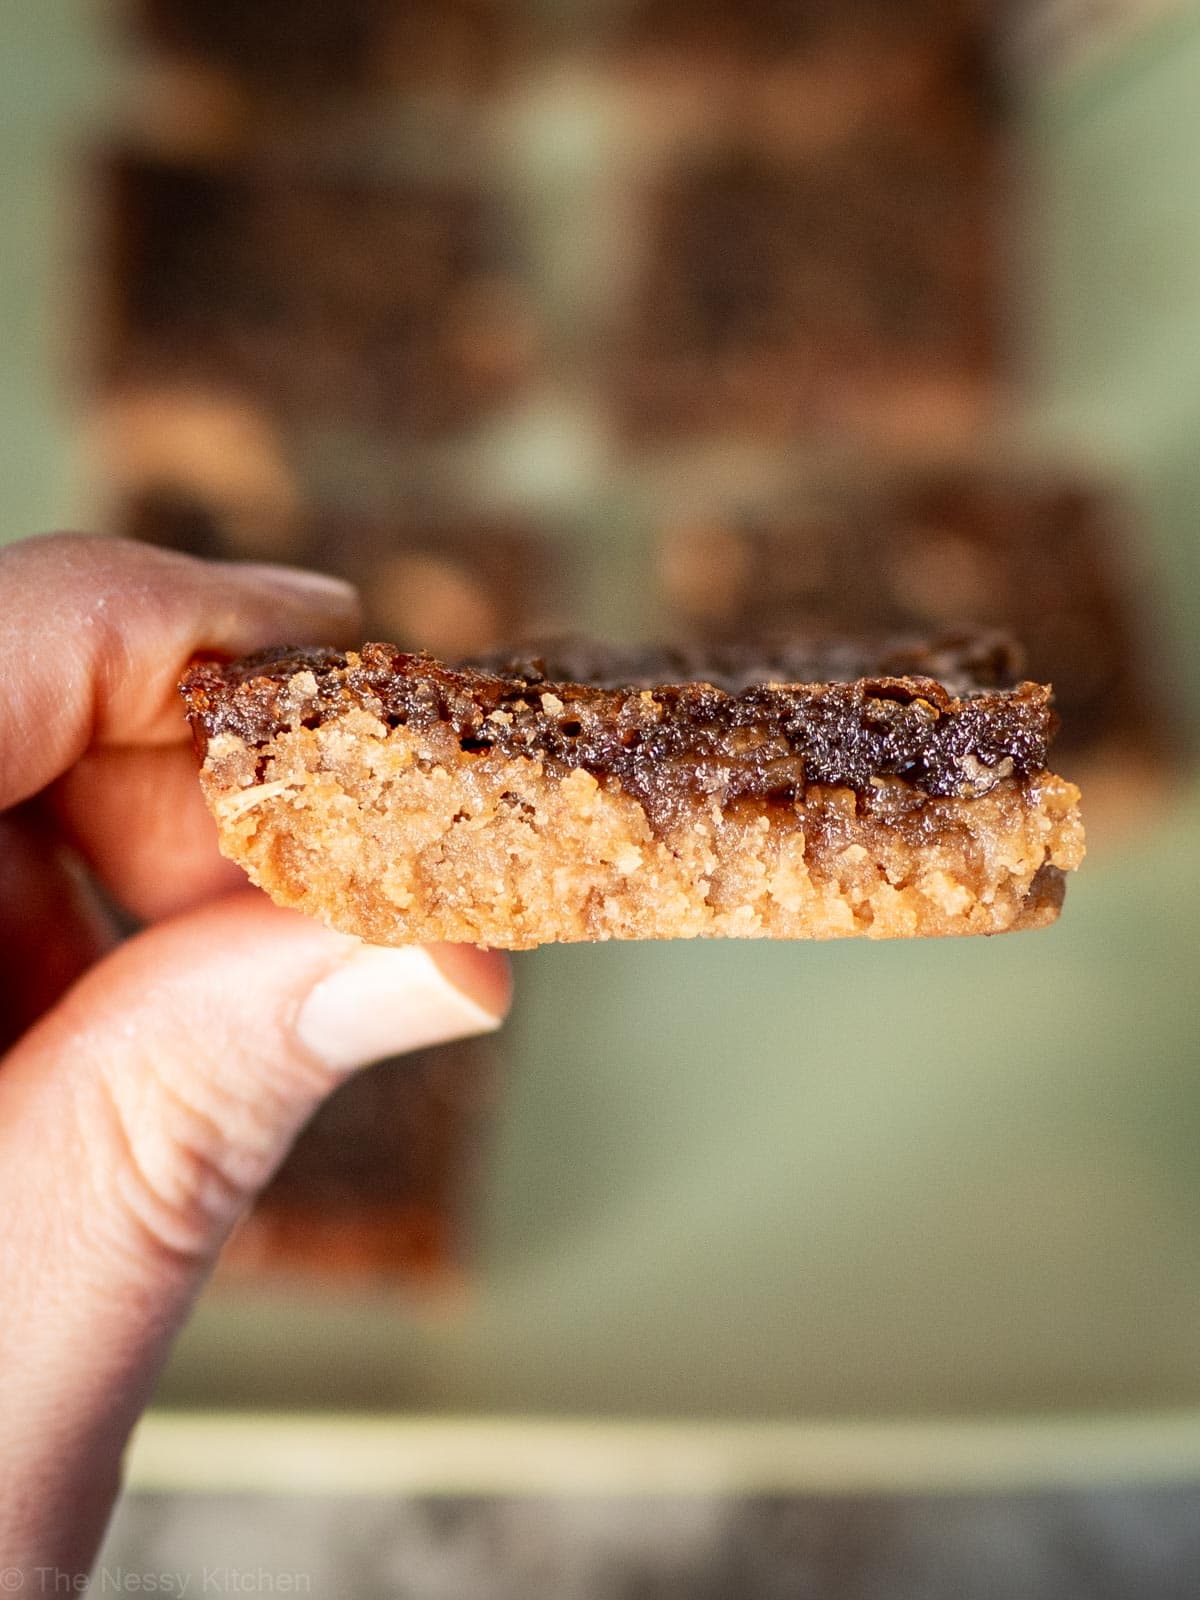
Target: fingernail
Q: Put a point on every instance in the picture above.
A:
(382, 1002)
(298, 582)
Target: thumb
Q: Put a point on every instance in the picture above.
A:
(137, 1120)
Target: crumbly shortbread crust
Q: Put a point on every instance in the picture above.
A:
(400, 821)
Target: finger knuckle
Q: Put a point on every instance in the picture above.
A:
(173, 1172)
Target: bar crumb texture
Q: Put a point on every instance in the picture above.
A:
(428, 828)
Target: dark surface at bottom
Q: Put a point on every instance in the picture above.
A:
(1051, 1546)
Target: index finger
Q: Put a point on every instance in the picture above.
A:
(95, 634)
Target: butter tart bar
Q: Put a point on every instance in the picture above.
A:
(807, 790)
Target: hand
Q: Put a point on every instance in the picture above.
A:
(149, 1088)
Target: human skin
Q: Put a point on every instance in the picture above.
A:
(149, 1088)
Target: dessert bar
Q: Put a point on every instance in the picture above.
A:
(815, 791)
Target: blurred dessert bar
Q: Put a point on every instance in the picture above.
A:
(797, 296)
(383, 305)
(1041, 556)
(828, 256)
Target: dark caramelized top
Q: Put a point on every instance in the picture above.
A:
(946, 717)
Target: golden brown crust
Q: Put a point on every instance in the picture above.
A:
(400, 834)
